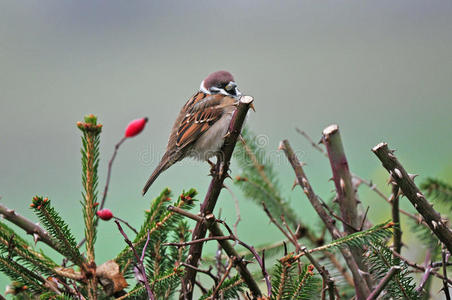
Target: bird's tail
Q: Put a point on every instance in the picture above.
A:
(163, 165)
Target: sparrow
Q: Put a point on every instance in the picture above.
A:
(202, 123)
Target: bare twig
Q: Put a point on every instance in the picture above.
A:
(38, 233)
(127, 224)
(207, 272)
(139, 259)
(428, 270)
(272, 219)
(226, 274)
(445, 258)
(107, 183)
(237, 208)
(361, 287)
(420, 268)
(207, 207)
(396, 219)
(412, 192)
(383, 282)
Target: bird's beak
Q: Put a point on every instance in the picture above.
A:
(232, 86)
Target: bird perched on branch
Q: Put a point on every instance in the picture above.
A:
(202, 123)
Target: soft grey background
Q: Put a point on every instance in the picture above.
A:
(382, 70)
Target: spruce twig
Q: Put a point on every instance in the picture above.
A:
(90, 161)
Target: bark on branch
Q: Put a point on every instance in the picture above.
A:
(38, 233)
(412, 192)
(207, 207)
(362, 290)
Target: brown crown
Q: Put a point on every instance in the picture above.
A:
(219, 78)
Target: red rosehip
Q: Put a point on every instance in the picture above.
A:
(135, 127)
(105, 214)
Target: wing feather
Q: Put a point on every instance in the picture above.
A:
(197, 116)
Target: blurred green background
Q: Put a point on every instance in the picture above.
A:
(382, 70)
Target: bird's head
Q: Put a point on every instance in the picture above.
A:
(220, 82)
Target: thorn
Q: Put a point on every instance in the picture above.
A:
(295, 183)
(252, 107)
(434, 224)
(412, 176)
(305, 190)
(281, 146)
(419, 195)
(342, 184)
(398, 173)
(227, 135)
(305, 181)
(35, 238)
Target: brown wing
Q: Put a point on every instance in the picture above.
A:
(196, 117)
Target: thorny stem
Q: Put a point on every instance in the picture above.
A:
(373, 187)
(445, 258)
(396, 219)
(215, 230)
(139, 259)
(38, 233)
(344, 187)
(411, 191)
(428, 271)
(361, 287)
(207, 207)
(226, 274)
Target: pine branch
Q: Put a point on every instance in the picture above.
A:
(23, 275)
(158, 221)
(16, 248)
(59, 230)
(438, 190)
(411, 191)
(380, 260)
(258, 180)
(207, 207)
(358, 239)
